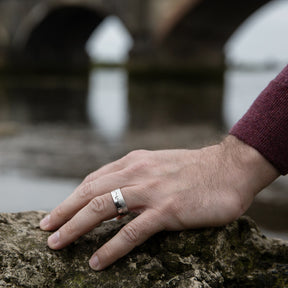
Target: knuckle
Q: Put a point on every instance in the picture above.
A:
(171, 206)
(138, 162)
(181, 203)
(154, 185)
(59, 213)
(136, 154)
(130, 233)
(69, 228)
(97, 205)
(150, 188)
(107, 251)
(143, 164)
(85, 191)
(175, 205)
(140, 167)
(88, 178)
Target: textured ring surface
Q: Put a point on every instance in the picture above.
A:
(119, 202)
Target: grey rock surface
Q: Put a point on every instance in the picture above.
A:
(236, 255)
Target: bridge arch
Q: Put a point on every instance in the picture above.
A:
(56, 32)
(201, 28)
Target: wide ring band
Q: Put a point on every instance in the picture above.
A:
(119, 202)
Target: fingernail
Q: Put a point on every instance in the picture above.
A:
(94, 263)
(54, 239)
(44, 223)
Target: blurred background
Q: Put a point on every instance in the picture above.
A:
(83, 82)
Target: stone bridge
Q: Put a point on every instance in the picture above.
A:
(46, 32)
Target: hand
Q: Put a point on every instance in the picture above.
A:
(170, 189)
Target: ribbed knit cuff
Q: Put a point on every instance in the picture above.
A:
(265, 125)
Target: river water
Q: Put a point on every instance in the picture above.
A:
(55, 129)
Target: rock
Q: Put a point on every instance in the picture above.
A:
(236, 255)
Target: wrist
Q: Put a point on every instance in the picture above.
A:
(250, 172)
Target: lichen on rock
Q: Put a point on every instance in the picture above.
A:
(235, 255)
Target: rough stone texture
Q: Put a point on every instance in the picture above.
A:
(236, 255)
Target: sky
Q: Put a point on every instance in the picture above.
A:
(110, 42)
(263, 37)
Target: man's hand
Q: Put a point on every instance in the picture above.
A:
(170, 189)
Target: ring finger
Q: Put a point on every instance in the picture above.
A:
(80, 198)
(99, 209)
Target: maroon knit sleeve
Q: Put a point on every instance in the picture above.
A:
(265, 124)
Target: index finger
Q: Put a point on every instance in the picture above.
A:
(82, 195)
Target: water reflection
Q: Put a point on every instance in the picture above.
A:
(107, 104)
(52, 98)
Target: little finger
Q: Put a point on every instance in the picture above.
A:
(131, 235)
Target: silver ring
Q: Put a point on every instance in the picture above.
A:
(119, 202)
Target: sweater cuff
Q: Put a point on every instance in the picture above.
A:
(265, 125)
